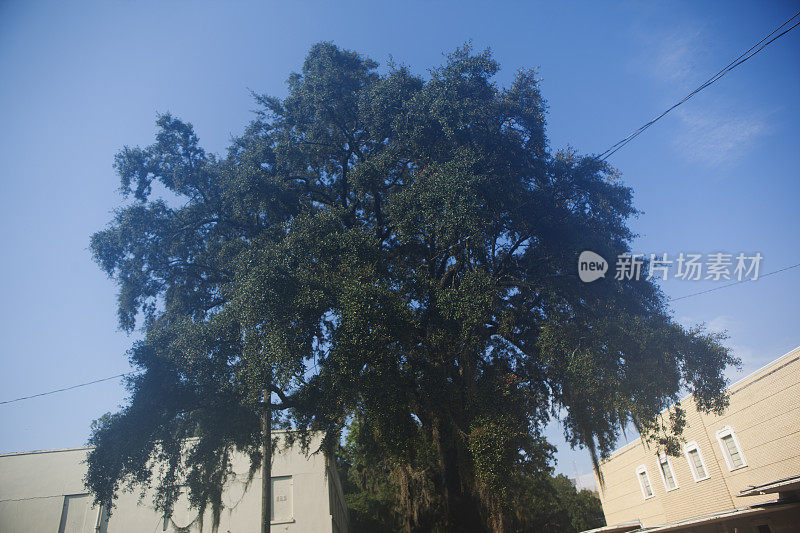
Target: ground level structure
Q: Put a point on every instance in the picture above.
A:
(43, 491)
(738, 472)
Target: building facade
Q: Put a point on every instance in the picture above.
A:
(756, 441)
(44, 491)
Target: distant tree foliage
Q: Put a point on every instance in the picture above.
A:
(582, 506)
(372, 489)
(396, 250)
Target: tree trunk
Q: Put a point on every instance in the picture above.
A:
(461, 511)
(266, 465)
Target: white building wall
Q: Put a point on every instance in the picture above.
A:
(43, 491)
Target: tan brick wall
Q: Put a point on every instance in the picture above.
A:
(764, 414)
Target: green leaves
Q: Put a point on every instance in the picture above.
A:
(391, 248)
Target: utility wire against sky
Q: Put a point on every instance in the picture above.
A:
(733, 283)
(125, 374)
(753, 50)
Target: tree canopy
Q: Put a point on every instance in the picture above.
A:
(397, 255)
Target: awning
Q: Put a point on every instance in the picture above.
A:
(746, 512)
(622, 527)
(787, 484)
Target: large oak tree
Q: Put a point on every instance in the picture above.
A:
(397, 253)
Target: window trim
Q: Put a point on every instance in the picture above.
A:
(722, 433)
(693, 446)
(290, 519)
(662, 458)
(639, 470)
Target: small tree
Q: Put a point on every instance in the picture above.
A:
(398, 249)
(582, 506)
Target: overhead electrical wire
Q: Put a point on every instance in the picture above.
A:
(732, 284)
(67, 388)
(753, 50)
(135, 371)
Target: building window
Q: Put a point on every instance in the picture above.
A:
(667, 474)
(696, 463)
(76, 514)
(731, 450)
(282, 507)
(644, 482)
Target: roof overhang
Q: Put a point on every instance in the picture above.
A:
(622, 527)
(746, 512)
(787, 484)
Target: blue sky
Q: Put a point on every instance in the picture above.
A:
(80, 80)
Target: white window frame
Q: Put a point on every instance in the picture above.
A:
(693, 446)
(665, 458)
(291, 518)
(639, 470)
(724, 432)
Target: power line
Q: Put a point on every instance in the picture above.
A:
(67, 388)
(753, 50)
(749, 53)
(734, 283)
(135, 371)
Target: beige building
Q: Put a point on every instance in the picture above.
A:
(738, 472)
(43, 491)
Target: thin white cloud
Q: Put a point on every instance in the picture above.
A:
(674, 57)
(713, 137)
(721, 324)
(716, 132)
